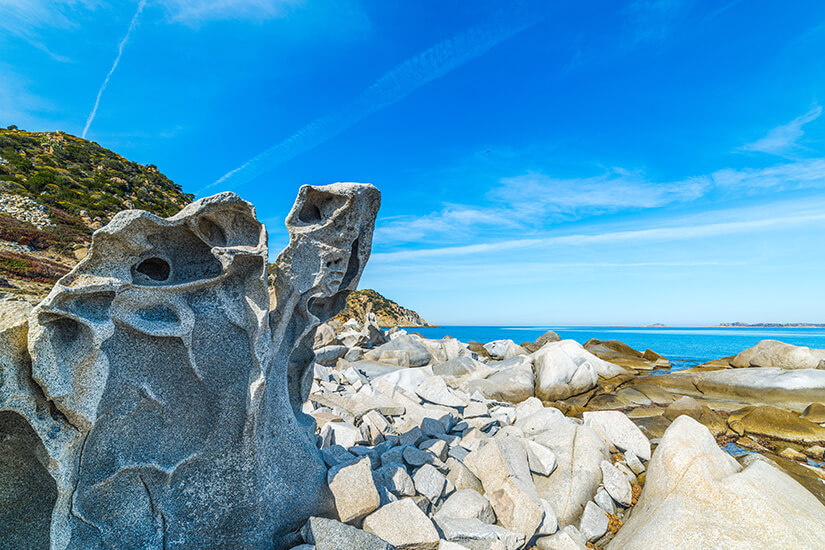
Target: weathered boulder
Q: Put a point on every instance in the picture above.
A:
(697, 496)
(328, 534)
(560, 374)
(772, 353)
(160, 358)
(325, 336)
(512, 384)
(403, 351)
(447, 349)
(504, 349)
(621, 354)
(697, 411)
(459, 370)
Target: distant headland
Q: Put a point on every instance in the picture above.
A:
(771, 325)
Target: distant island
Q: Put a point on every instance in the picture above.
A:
(770, 325)
(656, 325)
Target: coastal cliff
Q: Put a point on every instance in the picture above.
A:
(388, 313)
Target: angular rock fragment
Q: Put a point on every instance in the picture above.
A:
(429, 482)
(616, 484)
(353, 488)
(404, 525)
(467, 504)
(328, 534)
(619, 430)
(594, 522)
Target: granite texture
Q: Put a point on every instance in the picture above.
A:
(160, 396)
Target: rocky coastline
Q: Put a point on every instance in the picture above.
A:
(551, 444)
(162, 396)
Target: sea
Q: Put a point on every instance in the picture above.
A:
(685, 346)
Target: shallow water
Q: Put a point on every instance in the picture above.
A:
(684, 346)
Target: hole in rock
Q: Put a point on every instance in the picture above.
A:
(212, 231)
(27, 491)
(319, 205)
(156, 269)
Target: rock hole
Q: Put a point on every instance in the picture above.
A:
(319, 205)
(156, 269)
(27, 491)
(212, 232)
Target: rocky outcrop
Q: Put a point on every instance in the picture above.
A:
(388, 314)
(165, 395)
(621, 354)
(794, 389)
(696, 496)
(772, 353)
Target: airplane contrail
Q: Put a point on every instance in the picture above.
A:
(123, 42)
(390, 88)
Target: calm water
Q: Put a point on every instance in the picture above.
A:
(684, 346)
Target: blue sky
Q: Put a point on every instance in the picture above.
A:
(541, 162)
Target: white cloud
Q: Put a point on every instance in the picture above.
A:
(783, 139)
(26, 19)
(198, 11)
(740, 221)
(532, 201)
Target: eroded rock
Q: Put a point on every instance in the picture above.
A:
(159, 355)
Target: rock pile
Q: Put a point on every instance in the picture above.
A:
(440, 444)
(429, 446)
(24, 209)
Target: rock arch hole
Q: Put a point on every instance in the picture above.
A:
(156, 269)
(27, 490)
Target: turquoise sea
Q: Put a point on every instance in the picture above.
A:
(684, 346)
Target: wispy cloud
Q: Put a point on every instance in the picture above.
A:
(393, 86)
(784, 139)
(121, 46)
(26, 19)
(533, 201)
(749, 220)
(198, 11)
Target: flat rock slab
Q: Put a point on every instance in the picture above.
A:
(794, 389)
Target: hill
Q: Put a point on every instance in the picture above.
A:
(389, 313)
(55, 190)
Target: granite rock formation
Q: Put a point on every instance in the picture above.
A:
(160, 396)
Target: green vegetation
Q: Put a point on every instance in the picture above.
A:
(19, 266)
(81, 186)
(387, 312)
(81, 178)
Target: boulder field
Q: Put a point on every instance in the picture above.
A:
(548, 445)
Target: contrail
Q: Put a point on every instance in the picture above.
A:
(393, 86)
(132, 25)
